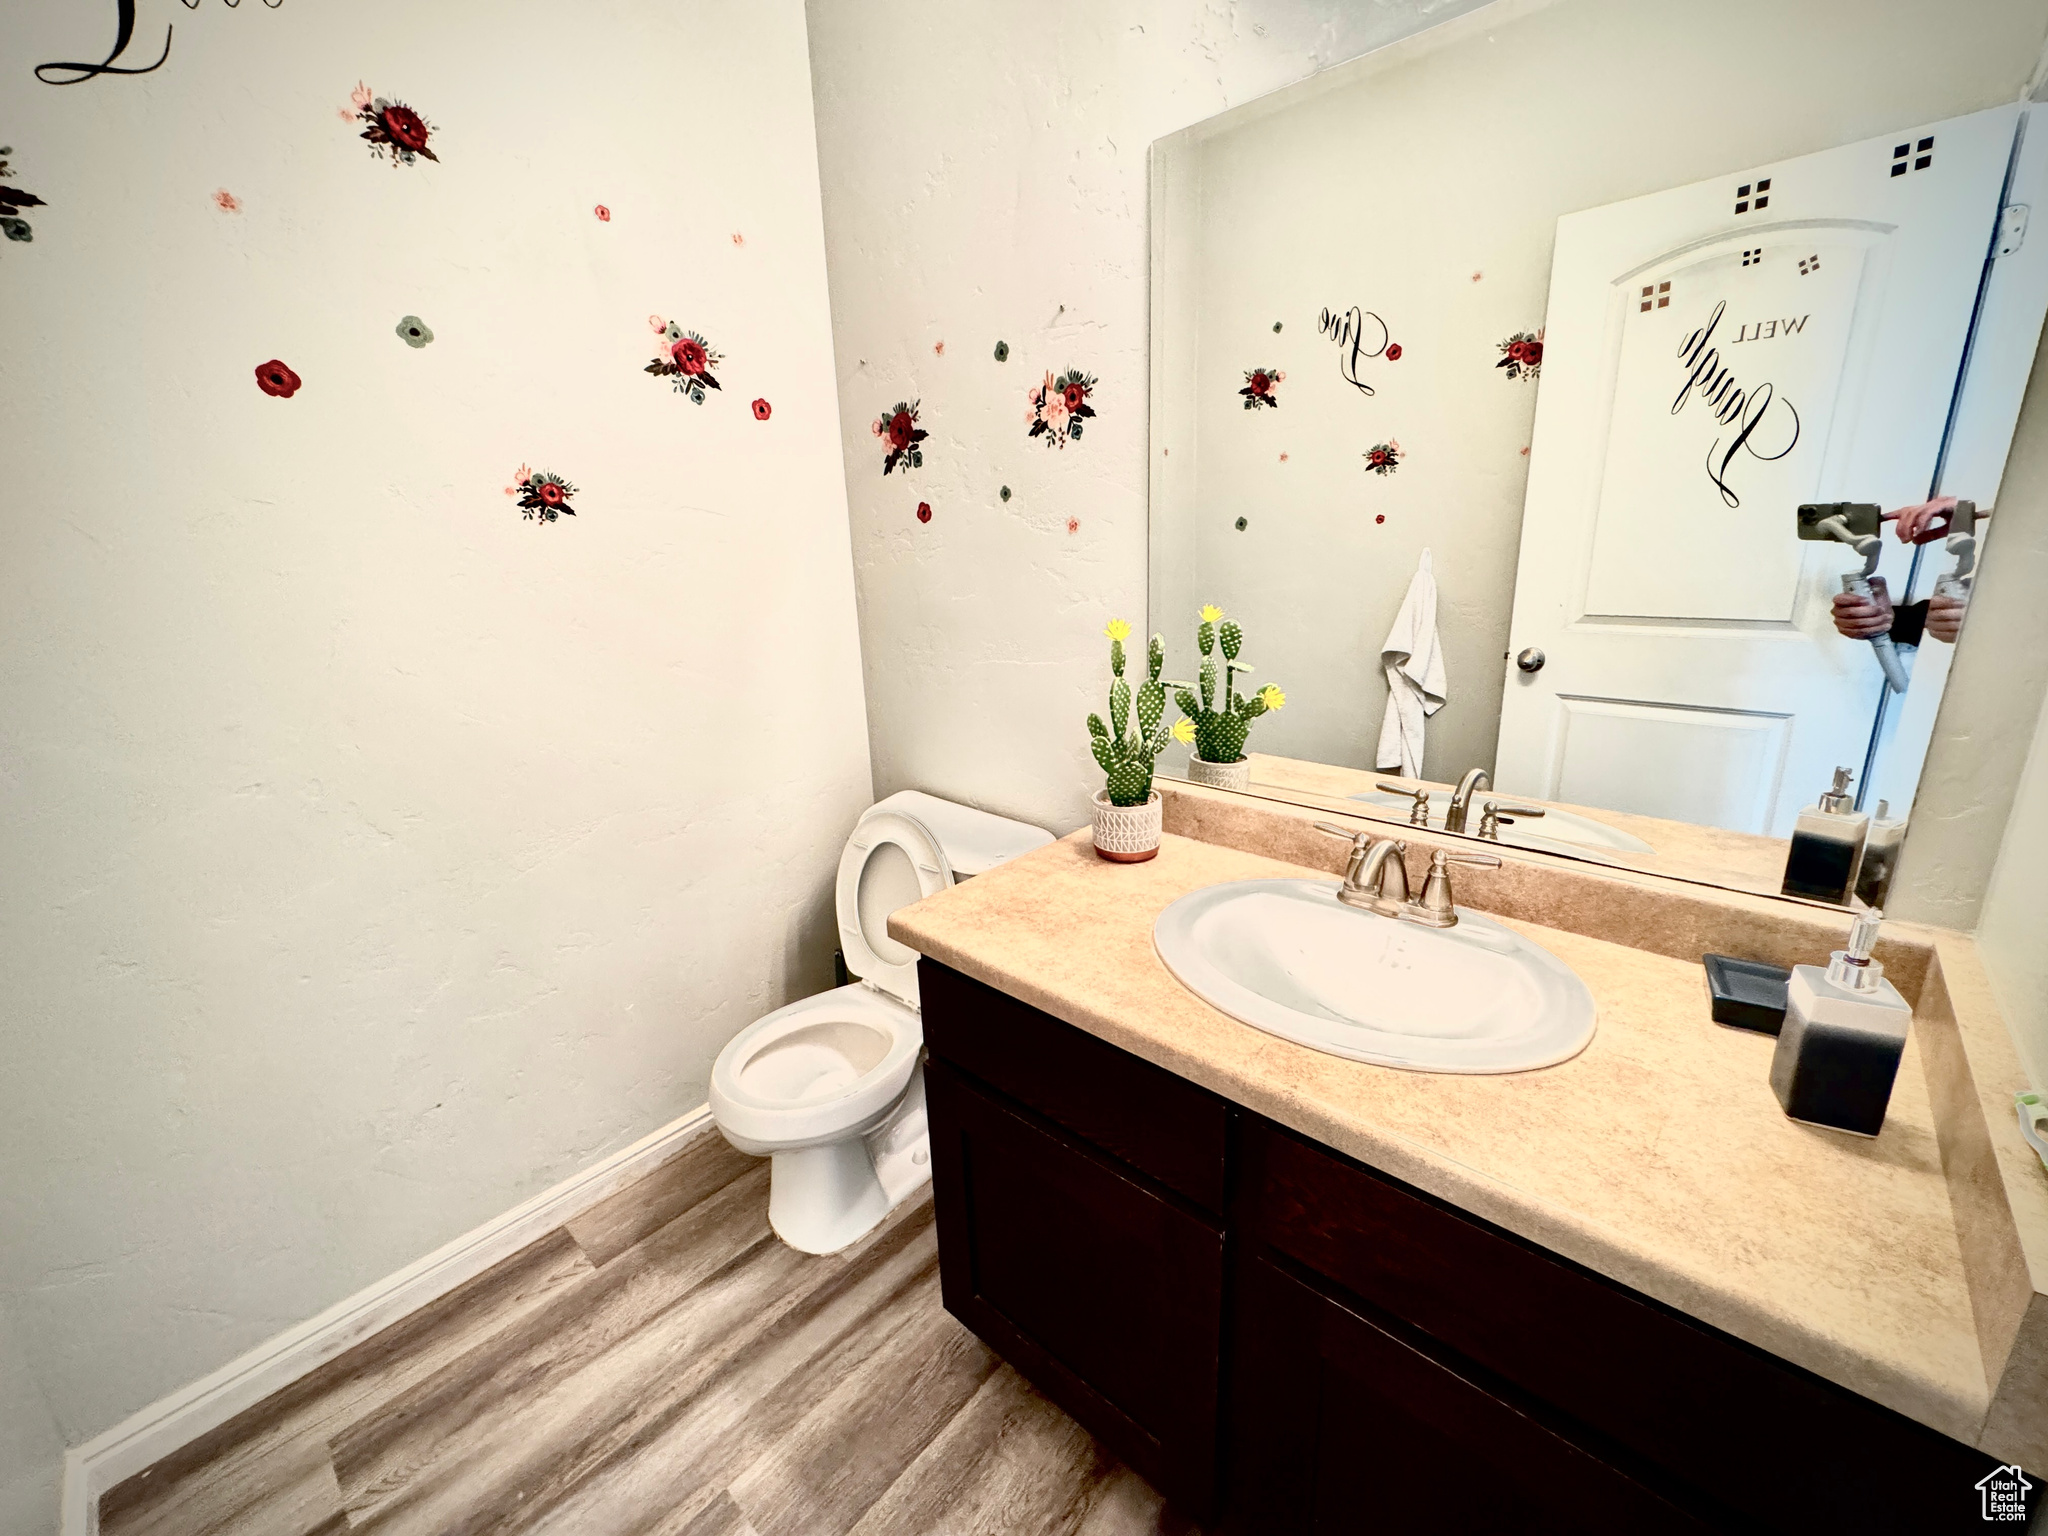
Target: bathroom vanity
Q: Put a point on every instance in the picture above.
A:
(1304, 1294)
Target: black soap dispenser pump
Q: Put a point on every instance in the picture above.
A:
(1844, 1032)
(1827, 845)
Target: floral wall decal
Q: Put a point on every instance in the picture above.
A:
(412, 330)
(1059, 406)
(902, 436)
(12, 201)
(1384, 458)
(1522, 354)
(763, 410)
(604, 214)
(1005, 493)
(684, 358)
(226, 201)
(543, 496)
(1258, 388)
(1002, 351)
(1393, 351)
(274, 378)
(924, 511)
(392, 128)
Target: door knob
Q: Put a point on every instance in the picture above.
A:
(1530, 660)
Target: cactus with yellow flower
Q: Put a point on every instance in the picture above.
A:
(1126, 756)
(1221, 724)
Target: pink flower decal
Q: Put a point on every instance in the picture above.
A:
(604, 214)
(763, 410)
(226, 201)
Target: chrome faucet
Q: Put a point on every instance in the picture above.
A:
(1461, 798)
(1377, 879)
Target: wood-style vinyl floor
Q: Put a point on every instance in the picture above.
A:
(661, 1364)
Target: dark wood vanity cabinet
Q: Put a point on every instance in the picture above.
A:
(1286, 1340)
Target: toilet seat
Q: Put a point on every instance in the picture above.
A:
(873, 955)
(823, 1069)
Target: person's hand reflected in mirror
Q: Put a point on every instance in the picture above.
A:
(1941, 616)
(1865, 618)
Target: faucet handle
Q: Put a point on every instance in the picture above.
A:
(1418, 812)
(1435, 907)
(1494, 813)
(1356, 836)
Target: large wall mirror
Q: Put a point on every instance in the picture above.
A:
(1590, 417)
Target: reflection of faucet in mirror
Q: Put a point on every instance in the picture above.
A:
(1418, 812)
(1461, 797)
(1494, 814)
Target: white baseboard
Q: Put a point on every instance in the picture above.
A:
(146, 1437)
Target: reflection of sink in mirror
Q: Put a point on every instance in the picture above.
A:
(1287, 957)
(1560, 830)
(1640, 623)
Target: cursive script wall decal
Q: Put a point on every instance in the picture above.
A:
(1712, 381)
(1349, 331)
(124, 34)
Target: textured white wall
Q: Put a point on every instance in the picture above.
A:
(984, 171)
(2015, 914)
(369, 858)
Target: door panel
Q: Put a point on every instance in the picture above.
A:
(1713, 357)
(1671, 760)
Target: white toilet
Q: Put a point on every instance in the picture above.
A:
(832, 1087)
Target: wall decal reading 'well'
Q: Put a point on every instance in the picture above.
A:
(1359, 334)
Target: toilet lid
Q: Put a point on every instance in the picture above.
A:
(890, 861)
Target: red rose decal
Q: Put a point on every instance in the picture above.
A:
(1393, 351)
(900, 427)
(1074, 395)
(1521, 355)
(924, 511)
(549, 492)
(691, 355)
(1380, 517)
(273, 378)
(408, 130)
(1261, 382)
(763, 410)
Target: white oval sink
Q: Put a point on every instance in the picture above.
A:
(1288, 957)
(1555, 830)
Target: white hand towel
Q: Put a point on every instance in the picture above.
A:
(1416, 685)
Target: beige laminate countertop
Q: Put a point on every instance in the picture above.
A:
(1658, 1157)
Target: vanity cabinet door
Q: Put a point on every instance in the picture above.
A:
(1103, 1289)
(1343, 1422)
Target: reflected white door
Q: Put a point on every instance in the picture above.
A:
(1714, 356)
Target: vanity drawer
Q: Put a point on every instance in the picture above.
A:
(1160, 1124)
(1777, 1443)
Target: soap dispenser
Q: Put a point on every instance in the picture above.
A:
(1827, 840)
(1881, 846)
(1844, 1032)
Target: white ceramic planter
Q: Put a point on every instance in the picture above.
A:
(1237, 775)
(1127, 834)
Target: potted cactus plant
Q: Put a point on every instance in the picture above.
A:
(1220, 726)
(1127, 808)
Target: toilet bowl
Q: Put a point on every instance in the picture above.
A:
(831, 1087)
